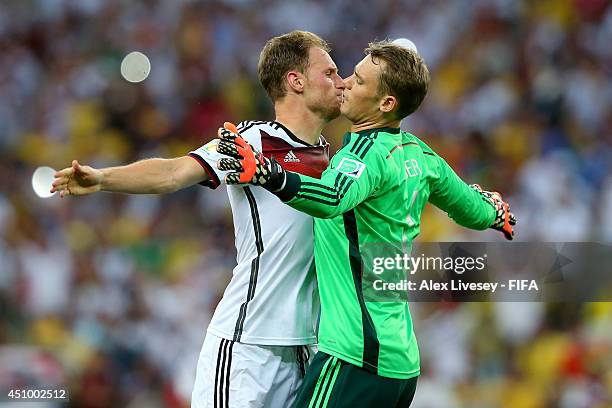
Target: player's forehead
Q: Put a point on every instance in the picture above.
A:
(320, 59)
(368, 68)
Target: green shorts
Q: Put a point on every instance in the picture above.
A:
(333, 383)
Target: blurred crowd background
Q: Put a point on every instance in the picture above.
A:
(110, 295)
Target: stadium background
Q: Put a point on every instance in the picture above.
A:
(110, 295)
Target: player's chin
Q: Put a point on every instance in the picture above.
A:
(333, 112)
(344, 109)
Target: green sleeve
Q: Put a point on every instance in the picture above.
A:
(465, 205)
(354, 174)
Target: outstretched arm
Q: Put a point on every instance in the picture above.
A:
(470, 206)
(150, 176)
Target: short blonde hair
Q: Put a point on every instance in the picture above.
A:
(404, 75)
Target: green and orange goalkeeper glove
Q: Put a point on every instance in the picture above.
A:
(247, 165)
(504, 219)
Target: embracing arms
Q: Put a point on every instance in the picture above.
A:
(149, 176)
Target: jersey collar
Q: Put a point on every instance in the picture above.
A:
(297, 139)
(380, 129)
(347, 135)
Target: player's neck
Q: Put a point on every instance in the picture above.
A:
(304, 124)
(375, 124)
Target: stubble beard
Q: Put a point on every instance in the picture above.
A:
(332, 113)
(330, 110)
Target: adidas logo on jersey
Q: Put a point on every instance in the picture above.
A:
(291, 157)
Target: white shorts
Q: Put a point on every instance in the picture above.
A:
(238, 375)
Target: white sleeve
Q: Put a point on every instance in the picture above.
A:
(249, 130)
(208, 157)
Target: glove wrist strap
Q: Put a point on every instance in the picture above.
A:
(277, 180)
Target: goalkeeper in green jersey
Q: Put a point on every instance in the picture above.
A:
(373, 192)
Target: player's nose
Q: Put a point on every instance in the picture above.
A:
(340, 84)
(348, 82)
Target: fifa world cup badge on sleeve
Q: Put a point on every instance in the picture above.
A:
(211, 146)
(351, 167)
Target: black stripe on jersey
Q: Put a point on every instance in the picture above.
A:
(337, 179)
(371, 345)
(317, 200)
(322, 187)
(254, 263)
(319, 197)
(345, 189)
(291, 135)
(368, 141)
(218, 373)
(244, 126)
(343, 182)
(365, 151)
(358, 144)
(340, 180)
(222, 374)
(341, 186)
(429, 153)
(331, 196)
(227, 373)
(311, 194)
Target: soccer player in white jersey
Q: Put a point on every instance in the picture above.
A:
(262, 333)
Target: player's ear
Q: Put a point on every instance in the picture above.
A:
(388, 104)
(296, 81)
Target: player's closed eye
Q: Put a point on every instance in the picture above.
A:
(357, 79)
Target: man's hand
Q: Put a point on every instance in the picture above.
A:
(247, 165)
(504, 219)
(77, 180)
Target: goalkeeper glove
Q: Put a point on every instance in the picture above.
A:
(504, 219)
(246, 164)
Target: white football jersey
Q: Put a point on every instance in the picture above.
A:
(272, 298)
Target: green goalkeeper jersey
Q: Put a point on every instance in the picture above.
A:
(373, 193)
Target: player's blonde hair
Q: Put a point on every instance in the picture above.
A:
(285, 53)
(403, 75)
